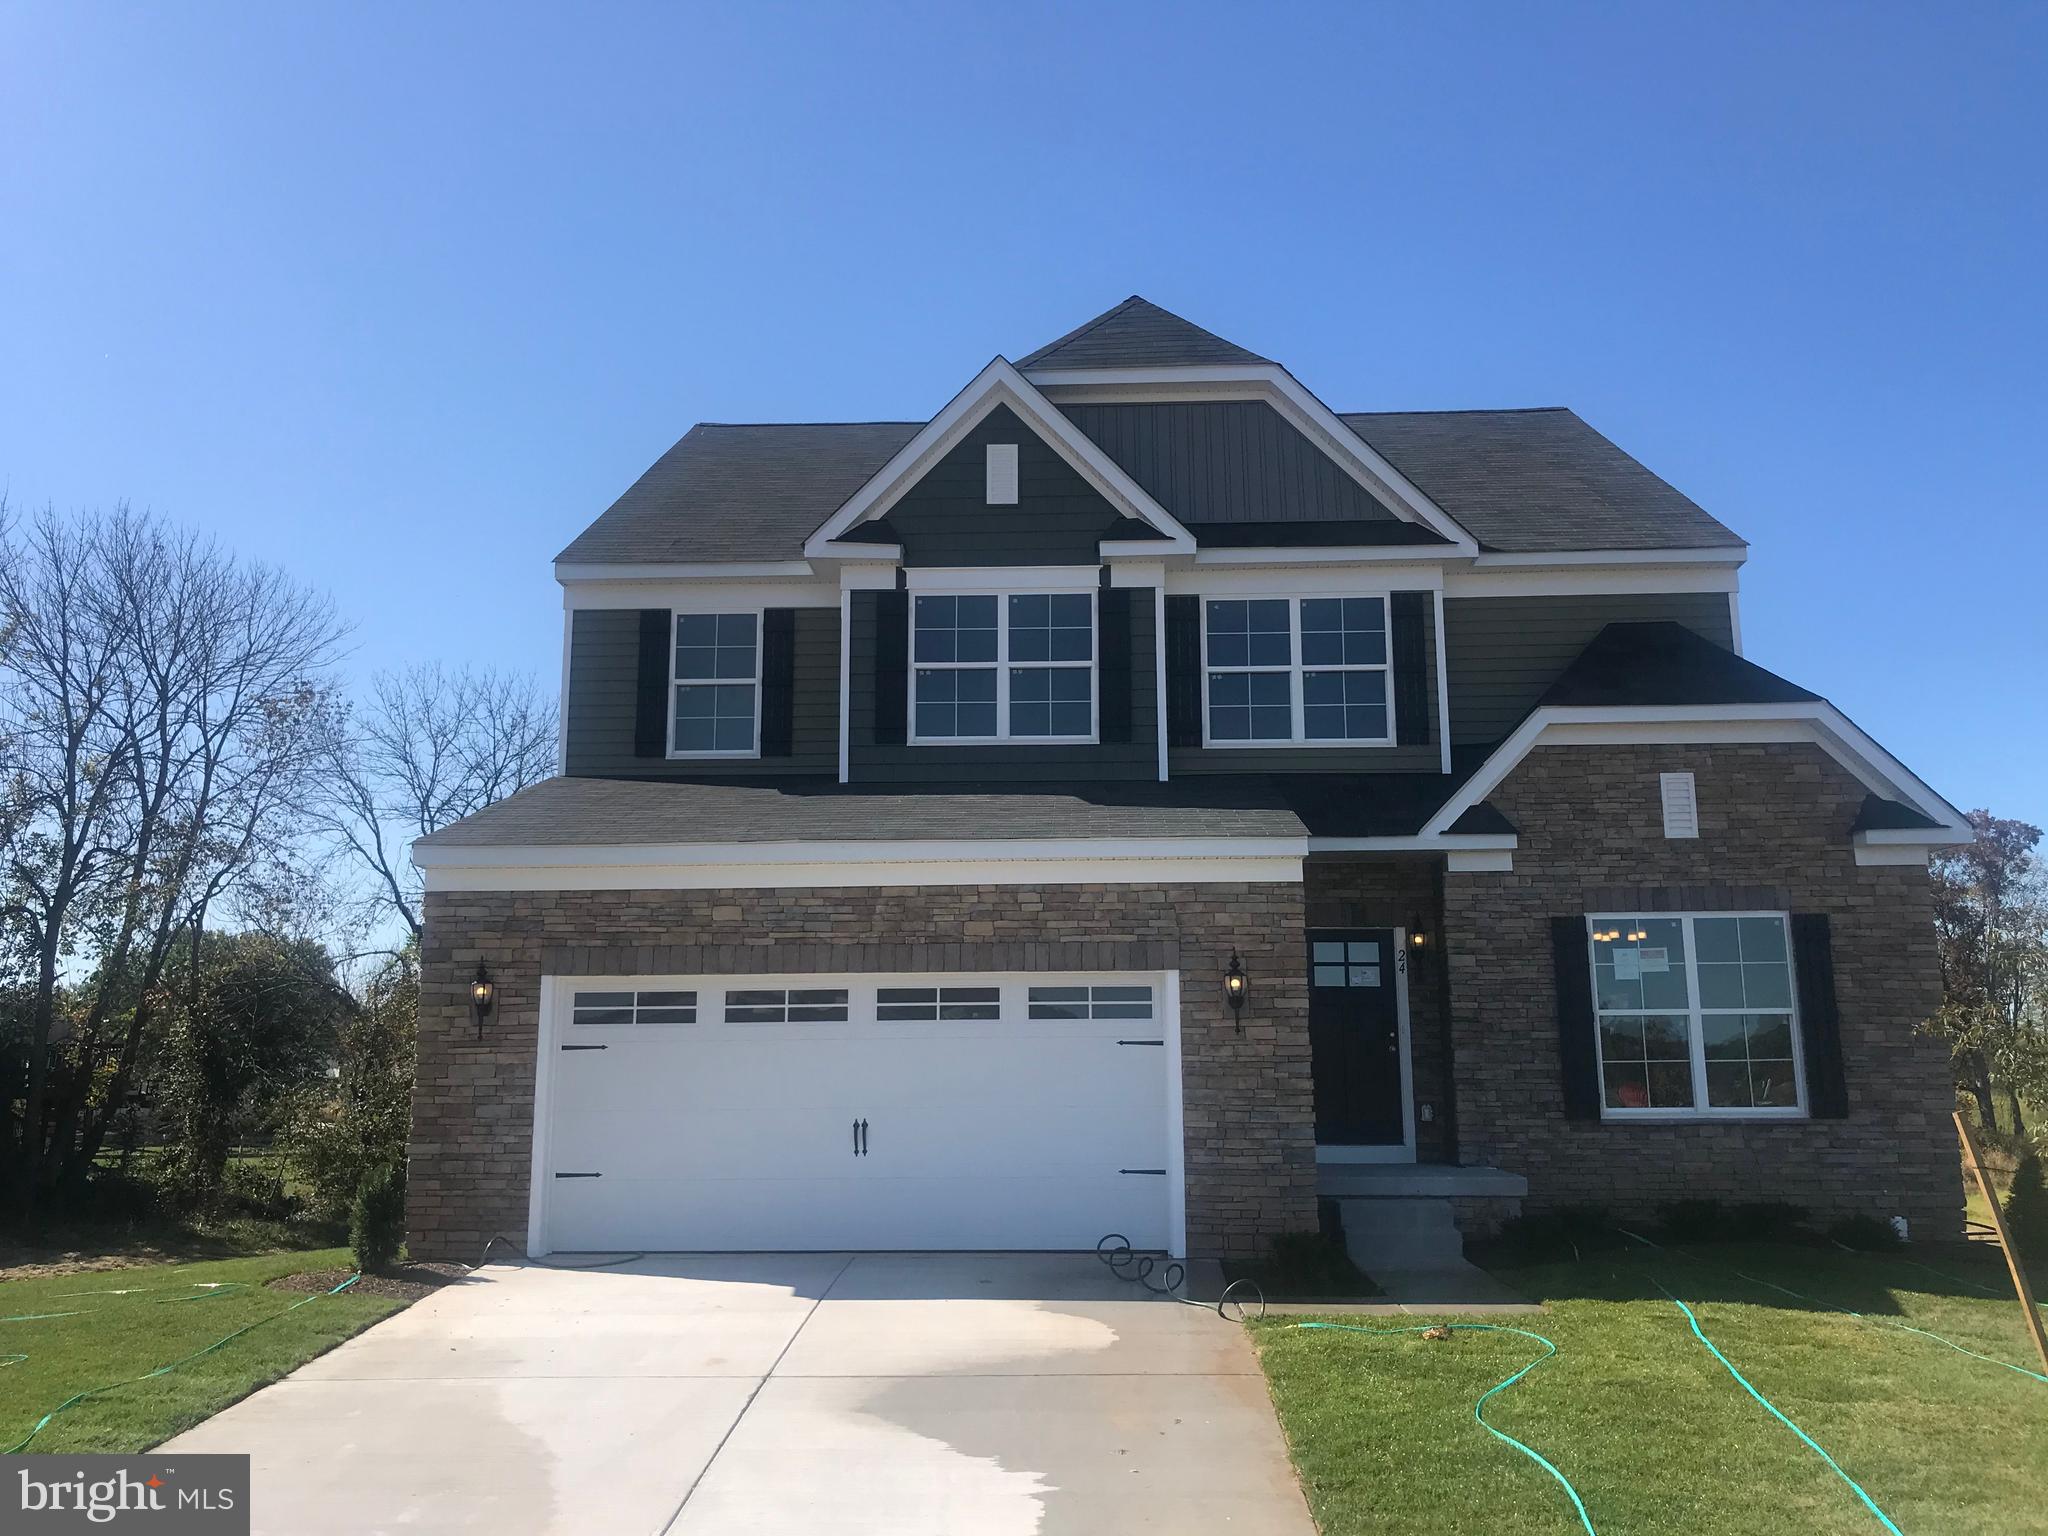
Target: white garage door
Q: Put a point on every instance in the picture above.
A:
(863, 1112)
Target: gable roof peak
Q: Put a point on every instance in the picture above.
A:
(1138, 334)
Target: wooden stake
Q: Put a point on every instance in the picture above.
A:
(2012, 1259)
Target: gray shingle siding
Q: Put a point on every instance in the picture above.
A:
(1505, 651)
(604, 671)
(871, 763)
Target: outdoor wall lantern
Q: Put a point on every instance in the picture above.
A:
(1235, 985)
(482, 993)
(1417, 939)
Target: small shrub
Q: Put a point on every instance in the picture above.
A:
(2026, 1209)
(376, 1225)
(1866, 1234)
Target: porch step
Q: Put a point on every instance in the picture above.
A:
(1401, 1233)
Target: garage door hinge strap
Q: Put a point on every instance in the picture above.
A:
(1141, 1042)
(579, 1175)
(1160, 1172)
(586, 1047)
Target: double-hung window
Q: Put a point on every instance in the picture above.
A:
(1014, 666)
(717, 685)
(1311, 670)
(1696, 1015)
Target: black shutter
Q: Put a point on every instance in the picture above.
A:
(1411, 668)
(650, 694)
(892, 667)
(778, 681)
(1113, 620)
(1820, 1022)
(1577, 1055)
(1184, 671)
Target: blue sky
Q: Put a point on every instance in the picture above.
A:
(399, 297)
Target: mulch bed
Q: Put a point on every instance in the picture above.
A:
(407, 1282)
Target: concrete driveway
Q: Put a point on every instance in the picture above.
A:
(899, 1394)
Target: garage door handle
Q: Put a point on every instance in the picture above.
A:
(860, 1138)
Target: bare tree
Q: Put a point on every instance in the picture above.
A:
(164, 696)
(429, 747)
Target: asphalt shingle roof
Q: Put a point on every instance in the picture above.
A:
(1660, 662)
(585, 811)
(1532, 480)
(615, 811)
(727, 492)
(1138, 334)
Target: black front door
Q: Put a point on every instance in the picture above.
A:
(1354, 1033)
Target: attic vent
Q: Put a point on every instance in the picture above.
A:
(1681, 807)
(1002, 474)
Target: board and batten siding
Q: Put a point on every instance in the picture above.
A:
(870, 762)
(1505, 651)
(1226, 461)
(945, 519)
(1419, 757)
(604, 654)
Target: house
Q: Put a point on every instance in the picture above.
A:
(1140, 799)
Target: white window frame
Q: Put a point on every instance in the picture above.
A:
(1295, 668)
(1695, 1015)
(1003, 664)
(675, 683)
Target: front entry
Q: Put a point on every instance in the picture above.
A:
(1357, 1019)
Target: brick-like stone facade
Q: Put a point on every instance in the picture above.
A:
(1246, 1095)
(1774, 833)
(1400, 891)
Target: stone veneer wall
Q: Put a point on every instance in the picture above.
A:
(1250, 1137)
(1774, 833)
(1392, 891)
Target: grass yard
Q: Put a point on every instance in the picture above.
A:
(1653, 1432)
(110, 1338)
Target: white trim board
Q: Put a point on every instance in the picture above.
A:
(798, 866)
(1287, 395)
(999, 384)
(1818, 722)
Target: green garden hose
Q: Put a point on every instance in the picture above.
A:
(1479, 1408)
(1925, 1333)
(1812, 1444)
(162, 1370)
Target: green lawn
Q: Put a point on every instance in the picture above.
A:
(111, 1338)
(1652, 1430)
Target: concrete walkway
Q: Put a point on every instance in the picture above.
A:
(897, 1394)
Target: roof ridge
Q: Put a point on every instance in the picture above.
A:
(1471, 410)
(1089, 325)
(877, 421)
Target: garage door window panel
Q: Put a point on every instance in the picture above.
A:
(810, 1005)
(627, 1008)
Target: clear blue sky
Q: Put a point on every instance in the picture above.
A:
(400, 297)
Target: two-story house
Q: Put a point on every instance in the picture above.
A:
(1140, 799)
